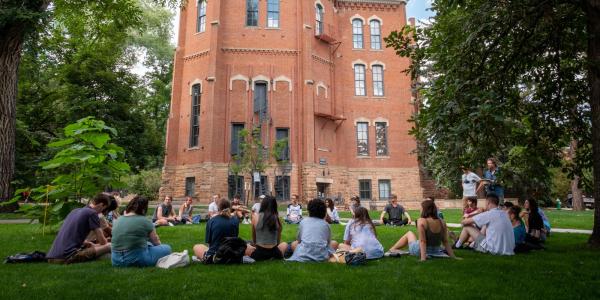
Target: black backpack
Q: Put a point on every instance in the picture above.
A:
(231, 251)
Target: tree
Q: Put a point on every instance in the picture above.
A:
(518, 80)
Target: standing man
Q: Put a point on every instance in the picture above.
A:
(491, 182)
(70, 245)
(469, 183)
(395, 212)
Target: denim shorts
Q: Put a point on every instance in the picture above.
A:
(414, 248)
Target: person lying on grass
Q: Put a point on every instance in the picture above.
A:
(164, 214)
(433, 235)
(266, 232)
(135, 242)
(70, 245)
(398, 216)
(314, 242)
(360, 233)
(499, 238)
(220, 226)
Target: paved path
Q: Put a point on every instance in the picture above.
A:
(344, 220)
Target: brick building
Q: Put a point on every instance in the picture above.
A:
(315, 73)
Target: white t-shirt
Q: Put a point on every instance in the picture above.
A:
(294, 211)
(469, 184)
(213, 208)
(499, 237)
(362, 236)
(256, 207)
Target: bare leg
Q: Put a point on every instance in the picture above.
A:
(468, 233)
(294, 245)
(282, 247)
(102, 249)
(199, 250)
(404, 241)
(249, 250)
(334, 245)
(344, 247)
(162, 222)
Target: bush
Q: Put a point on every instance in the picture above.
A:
(146, 183)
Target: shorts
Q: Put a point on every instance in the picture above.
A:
(414, 248)
(477, 244)
(395, 222)
(79, 256)
(266, 254)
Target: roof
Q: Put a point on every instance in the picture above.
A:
(375, 1)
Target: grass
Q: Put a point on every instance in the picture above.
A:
(566, 270)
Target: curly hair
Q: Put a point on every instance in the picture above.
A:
(317, 208)
(137, 205)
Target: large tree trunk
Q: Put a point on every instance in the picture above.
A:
(593, 27)
(575, 190)
(11, 41)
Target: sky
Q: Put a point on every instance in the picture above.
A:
(418, 9)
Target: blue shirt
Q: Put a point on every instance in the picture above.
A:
(218, 228)
(520, 233)
(493, 187)
(314, 235)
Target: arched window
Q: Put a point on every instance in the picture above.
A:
(357, 33)
(201, 22)
(377, 80)
(195, 116)
(251, 12)
(273, 13)
(359, 80)
(375, 34)
(319, 19)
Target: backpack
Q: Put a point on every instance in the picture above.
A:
(231, 251)
(356, 258)
(35, 256)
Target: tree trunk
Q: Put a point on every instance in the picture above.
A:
(11, 42)
(593, 27)
(577, 195)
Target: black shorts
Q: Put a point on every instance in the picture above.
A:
(265, 253)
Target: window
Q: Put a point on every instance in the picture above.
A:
(282, 187)
(319, 19)
(283, 134)
(236, 140)
(190, 186)
(273, 13)
(195, 116)
(260, 99)
(381, 142)
(201, 22)
(251, 12)
(362, 138)
(377, 80)
(235, 186)
(385, 188)
(375, 34)
(359, 80)
(357, 33)
(261, 188)
(364, 189)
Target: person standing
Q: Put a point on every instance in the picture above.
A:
(491, 181)
(469, 183)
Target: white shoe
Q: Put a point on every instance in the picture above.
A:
(196, 259)
(171, 224)
(248, 260)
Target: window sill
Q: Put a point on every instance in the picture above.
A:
(358, 49)
(363, 157)
(376, 50)
(192, 149)
(252, 27)
(360, 97)
(272, 28)
(383, 157)
(199, 33)
(379, 97)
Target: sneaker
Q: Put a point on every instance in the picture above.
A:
(196, 259)
(171, 224)
(248, 260)
(392, 253)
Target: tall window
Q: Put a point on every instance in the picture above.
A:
(375, 34)
(319, 19)
(283, 134)
(260, 99)
(236, 140)
(262, 187)
(251, 12)
(362, 138)
(195, 116)
(273, 13)
(357, 33)
(201, 22)
(381, 138)
(190, 186)
(385, 188)
(377, 80)
(364, 189)
(359, 80)
(235, 186)
(282, 187)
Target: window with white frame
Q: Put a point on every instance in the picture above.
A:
(377, 80)
(251, 12)
(359, 80)
(362, 138)
(273, 13)
(385, 187)
(319, 19)
(375, 34)
(201, 22)
(357, 33)
(381, 139)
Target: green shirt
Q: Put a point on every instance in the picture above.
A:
(131, 232)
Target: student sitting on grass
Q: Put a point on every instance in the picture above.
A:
(360, 233)
(220, 226)
(240, 211)
(213, 208)
(185, 211)
(70, 245)
(314, 236)
(135, 242)
(105, 225)
(266, 232)
(333, 216)
(535, 224)
(294, 211)
(164, 214)
(518, 225)
(433, 235)
(398, 216)
(354, 204)
(471, 210)
(499, 238)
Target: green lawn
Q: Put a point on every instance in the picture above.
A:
(566, 270)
